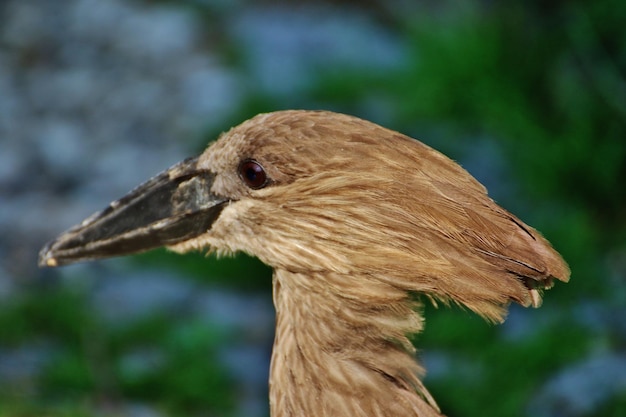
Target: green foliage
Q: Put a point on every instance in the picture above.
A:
(46, 313)
(490, 375)
(614, 408)
(174, 365)
(241, 272)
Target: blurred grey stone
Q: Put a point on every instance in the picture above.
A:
(442, 364)
(7, 286)
(289, 47)
(250, 366)
(253, 314)
(582, 388)
(125, 298)
(21, 366)
(524, 323)
(96, 98)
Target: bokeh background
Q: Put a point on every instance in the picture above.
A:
(99, 95)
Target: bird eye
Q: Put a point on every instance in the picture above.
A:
(253, 174)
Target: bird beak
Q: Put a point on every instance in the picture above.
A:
(172, 207)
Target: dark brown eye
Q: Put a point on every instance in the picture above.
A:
(253, 174)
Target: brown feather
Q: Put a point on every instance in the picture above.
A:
(357, 219)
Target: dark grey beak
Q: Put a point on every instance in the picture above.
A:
(172, 207)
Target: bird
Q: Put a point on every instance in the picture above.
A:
(361, 224)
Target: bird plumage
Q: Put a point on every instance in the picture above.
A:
(355, 219)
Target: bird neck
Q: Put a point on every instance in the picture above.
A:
(341, 352)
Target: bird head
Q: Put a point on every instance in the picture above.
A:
(336, 195)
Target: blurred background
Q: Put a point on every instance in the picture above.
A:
(96, 96)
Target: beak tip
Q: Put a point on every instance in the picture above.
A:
(47, 259)
(51, 262)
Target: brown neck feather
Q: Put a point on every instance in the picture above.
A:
(338, 355)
